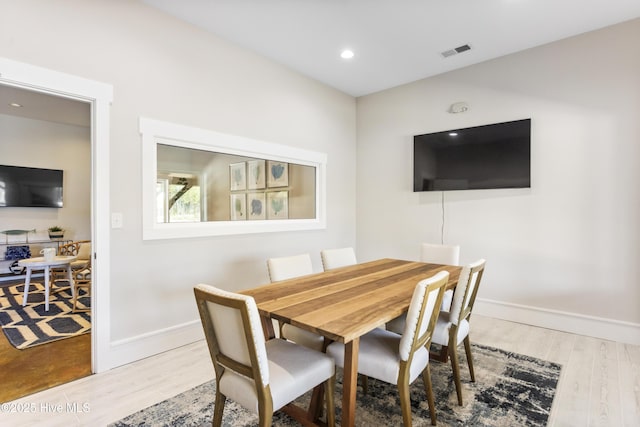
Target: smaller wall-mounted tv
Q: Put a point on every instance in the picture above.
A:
(491, 156)
(30, 187)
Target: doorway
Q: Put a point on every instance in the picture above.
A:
(45, 181)
(98, 96)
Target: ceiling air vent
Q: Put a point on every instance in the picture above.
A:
(455, 51)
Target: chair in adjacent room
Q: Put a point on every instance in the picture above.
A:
(452, 327)
(336, 258)
(433, 254)
(262, 376)
(400, 359)
(289, 267)
(81, 280)
(80, 269)
(81, 249)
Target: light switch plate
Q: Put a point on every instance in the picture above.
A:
(116, 220)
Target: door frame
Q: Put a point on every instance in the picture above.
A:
(99, 95)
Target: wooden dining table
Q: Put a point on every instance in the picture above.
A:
(344, 304)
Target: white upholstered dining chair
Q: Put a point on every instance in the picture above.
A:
(262, 376)
(440, 254)
(336, 258)
(433, 254)
(452, 327)
(289, 267)
(400, 359)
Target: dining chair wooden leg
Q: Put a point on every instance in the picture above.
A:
(331, 411)
(365, 384)
(315, 404)
(467, 349)
(440, 356)
(76, 295)
(218, 409)
(405, 402)
(426, 378)
(265, 417)
(455, 366)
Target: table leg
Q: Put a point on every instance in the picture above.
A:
(46, 288)
(267, 328)
(350, 382)
(27, 281)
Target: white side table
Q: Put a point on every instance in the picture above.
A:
(40, 264)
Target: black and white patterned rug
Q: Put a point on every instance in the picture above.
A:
(31, 325)
(510, 390)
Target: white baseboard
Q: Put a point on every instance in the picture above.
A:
(598, 327)
(139, 347)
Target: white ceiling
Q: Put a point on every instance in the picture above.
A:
(395, 41)
(41, 106)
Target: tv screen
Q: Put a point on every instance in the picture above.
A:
(490, 156)
(30, 187)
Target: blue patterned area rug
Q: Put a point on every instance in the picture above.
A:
(31, 325)
(510, 390)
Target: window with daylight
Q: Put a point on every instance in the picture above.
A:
(179, 198)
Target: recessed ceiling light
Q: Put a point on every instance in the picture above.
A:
(453, 134)
(15, 104)
(346, 54)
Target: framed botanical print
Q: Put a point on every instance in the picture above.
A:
(256, 206)
(238, 207)
(277, 174)
(278, 205)
(237, 176)
(255, 174)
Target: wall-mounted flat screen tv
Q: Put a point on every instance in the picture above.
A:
(491, 156)
(30, 187)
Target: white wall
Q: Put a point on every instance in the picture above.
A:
(570, 244)
(164, 69)
(42, 144)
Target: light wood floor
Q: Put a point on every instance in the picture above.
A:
(599, 384)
